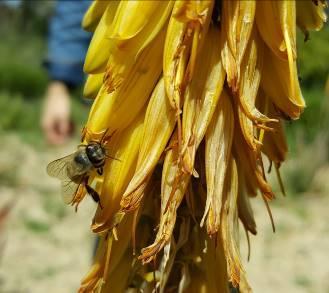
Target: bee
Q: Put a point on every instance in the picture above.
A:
(74, 170)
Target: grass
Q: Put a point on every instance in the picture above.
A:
(20, 63)
(23, 82)
(312, 57)
(303, 281)
(314, 118)
(54, 207)
(46, 273)
(304, 161)
(36, 226)
(8, 177)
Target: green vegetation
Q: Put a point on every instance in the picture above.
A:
(303, 281)
(54, 207)
(313, 57)
(46, 273)
(23, 80)
(36, 226)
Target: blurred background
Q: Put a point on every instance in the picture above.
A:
(46, 247)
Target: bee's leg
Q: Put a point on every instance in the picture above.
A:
(94, 194)
(100, 171)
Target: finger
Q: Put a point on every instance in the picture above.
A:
(64, 127)
(52, 134)
(53, 137)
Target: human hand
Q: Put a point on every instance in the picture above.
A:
(55, 120)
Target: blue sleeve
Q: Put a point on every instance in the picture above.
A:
(68, 42)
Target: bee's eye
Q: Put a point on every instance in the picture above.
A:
(95, 153)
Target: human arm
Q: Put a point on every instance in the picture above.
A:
(67, 46)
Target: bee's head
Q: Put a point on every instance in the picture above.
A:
(96, 154)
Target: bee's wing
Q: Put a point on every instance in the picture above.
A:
(58, 168)
(69, 189)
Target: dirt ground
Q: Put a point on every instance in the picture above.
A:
(46, 246)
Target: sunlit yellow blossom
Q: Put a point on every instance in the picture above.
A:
(190, 104)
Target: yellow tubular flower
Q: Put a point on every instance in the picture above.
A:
(248, 130)
(245, 211)
(201, 98)
(158, 127)
(119, 245)
(202, 95)
(135, 26)
(274, 142)
(173, 187)
(117, 281)
(116, 110)
(92, 85)
(171, 250)
(96, 58)
(187, 29)
(123, 147)
(89, 282)
(288, 25)
(310, 16)
(189, 97)
(109, 254)
(279, 32)
(212, 269)
(275, 145)
(248, 162)
(229, 225)
(276, 83)
(94, 14)
(237, 23)
(269, 25)
(218, 152)
(251, 71)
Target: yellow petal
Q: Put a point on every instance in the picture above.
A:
(205, 92)
(218, 139)
(92, 85)
(277, 84)
(310, 16)
(237, 23)
(249, 162)
(93, 15)
(245, 211)
(251, 70)
(117, 281)
(269, 26)
(158, 126)
(173, 187)
(201, 98)
(135, 26)
(124, 147)
(99, 48)
(115, 111)
(187, 27)
(229, 226)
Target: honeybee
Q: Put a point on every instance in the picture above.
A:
(74, 170)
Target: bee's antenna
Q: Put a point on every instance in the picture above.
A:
(104, 135)
(108, 136)
(112, 158)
